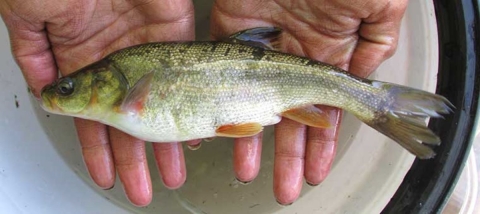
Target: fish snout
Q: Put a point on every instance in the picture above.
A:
(47, 100)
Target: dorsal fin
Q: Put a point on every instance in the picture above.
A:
(137, 95)
(263, 37)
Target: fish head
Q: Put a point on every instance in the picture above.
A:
(88, 93)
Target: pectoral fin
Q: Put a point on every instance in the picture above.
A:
(137, 95)
(310, 116)
(263, 37)
(239, 130)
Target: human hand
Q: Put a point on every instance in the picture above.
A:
(47, 36)
(354, 35)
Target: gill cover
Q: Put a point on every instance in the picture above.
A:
(89, 91)
(109, 89)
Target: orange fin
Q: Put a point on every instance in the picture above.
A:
(310, 116)
(137, 95)
(239, 130)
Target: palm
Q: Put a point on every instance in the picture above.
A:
(323, 30)
(104, 26)
(354, 35)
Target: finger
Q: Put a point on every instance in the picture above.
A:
(170, 163)
(290, 139)
(321, 148)
(31, 50)
(96, 152)
(247, 153)
(131, 163)
(194, 144)
(378, 38)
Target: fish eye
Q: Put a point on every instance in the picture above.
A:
(65, 87)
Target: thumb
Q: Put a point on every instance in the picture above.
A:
(378, 38)
(31, 50)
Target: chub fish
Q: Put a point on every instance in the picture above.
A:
(178, 91)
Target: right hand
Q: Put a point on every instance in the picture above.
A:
(354, 35)
(47, 36)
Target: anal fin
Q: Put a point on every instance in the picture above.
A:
(239, 130)
(310, 116)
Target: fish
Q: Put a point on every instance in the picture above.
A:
(234, 87)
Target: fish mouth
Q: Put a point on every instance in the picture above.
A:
(48, 105)
(48, 102)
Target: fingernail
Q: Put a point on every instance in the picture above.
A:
(312, 185)
(210, 139)
(137, 188)
(243, 182)
(109, 188)
(34, 93)
(194, 147)
(30, 90)
(283, 205)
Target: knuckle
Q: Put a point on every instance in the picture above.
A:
(128, 162)
(289, 155)
(130, 156)
(164, 147)
(390, 49)
(318, 141)
(91, 148)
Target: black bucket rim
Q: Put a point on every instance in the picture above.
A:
(428, 184)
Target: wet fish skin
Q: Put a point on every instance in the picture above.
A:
(229, 78)
(177, 91)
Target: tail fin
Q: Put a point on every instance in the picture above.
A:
(404, 117)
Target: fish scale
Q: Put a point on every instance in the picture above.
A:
(237, 88)
(178, 91)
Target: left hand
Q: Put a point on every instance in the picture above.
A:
(354, 35)
(51, 35)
